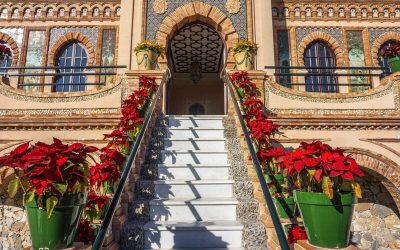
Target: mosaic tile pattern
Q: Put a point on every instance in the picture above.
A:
(154, 20)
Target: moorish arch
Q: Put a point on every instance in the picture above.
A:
(389, 36)
(381, 165)
(72, 37)
(13, 46)
(197, 12)
(324, 37)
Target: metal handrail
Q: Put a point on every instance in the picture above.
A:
(267, 195)
(320, 67)
(66, 67)
(97, 244)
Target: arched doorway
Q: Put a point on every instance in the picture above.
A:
(196, 56)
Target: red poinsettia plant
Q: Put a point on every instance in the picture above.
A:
(48, 171)
(393, 50)
(317, 167)
(296, 233)
(5, 52)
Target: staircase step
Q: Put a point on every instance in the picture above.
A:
(203, 209)
(193, 157)
(184, 234)
(194, 133)
(195, 122)
(194, 144)
(193, 172)
(192, 189)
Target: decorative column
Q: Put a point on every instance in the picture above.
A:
(263, 34)
(126, 30)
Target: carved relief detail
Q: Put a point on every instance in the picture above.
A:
(160, 6)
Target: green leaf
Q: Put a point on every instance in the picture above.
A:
(29, 196)
(13, 187)
(51, 203)
(327, 187)
(61, 187)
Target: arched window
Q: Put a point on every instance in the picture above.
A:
(383, 61)
(319, 61)
(6, 62)
(71, 55)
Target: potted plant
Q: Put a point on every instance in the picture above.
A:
(392, 52)
(244, 53)
(325, 193)
(147, 53)
(54, 180)
(5, 52)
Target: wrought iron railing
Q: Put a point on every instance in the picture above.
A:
(128, 166)
(38, 77)
(327, 79)
(257, 166)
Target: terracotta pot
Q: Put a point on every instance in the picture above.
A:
(147, 60)
(244, 61)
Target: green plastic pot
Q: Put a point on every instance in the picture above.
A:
(58, 231)
(327, 222)
(285, 207)
(394, 64)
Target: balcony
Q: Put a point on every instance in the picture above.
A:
(52, 79)
(328, 79)
(324, 91)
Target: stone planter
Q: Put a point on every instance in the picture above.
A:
(147, 60)
(327, 222)
(58, 231)
(394, 64)
(244, 61)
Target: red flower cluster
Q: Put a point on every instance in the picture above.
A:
(317, 167)
(296, 233)
(53, 169)
(260, 128)
(95, 206)
(391, 51)
(85, 232)
(5, 52)
(48, 169)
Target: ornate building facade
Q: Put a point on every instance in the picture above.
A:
(353, 103)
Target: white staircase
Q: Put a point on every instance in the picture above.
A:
(193, 205)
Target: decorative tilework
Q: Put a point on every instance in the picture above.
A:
(301, 33)
(375, 33)
(90, 32)
(16, 33)
(154, 20)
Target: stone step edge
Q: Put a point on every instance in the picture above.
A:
(198, 201)
(186, 182)
(194, 226)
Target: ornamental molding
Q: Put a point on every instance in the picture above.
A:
(179, 10)
(72, 37)
(381, 143)
(59, 34)
(378, 37)
(58, 97)
(13, 46)
(392, 86)
(331, 36)
(336, 11)
(79, 111)
(233, 6)
(160, 6)
(66, 11)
